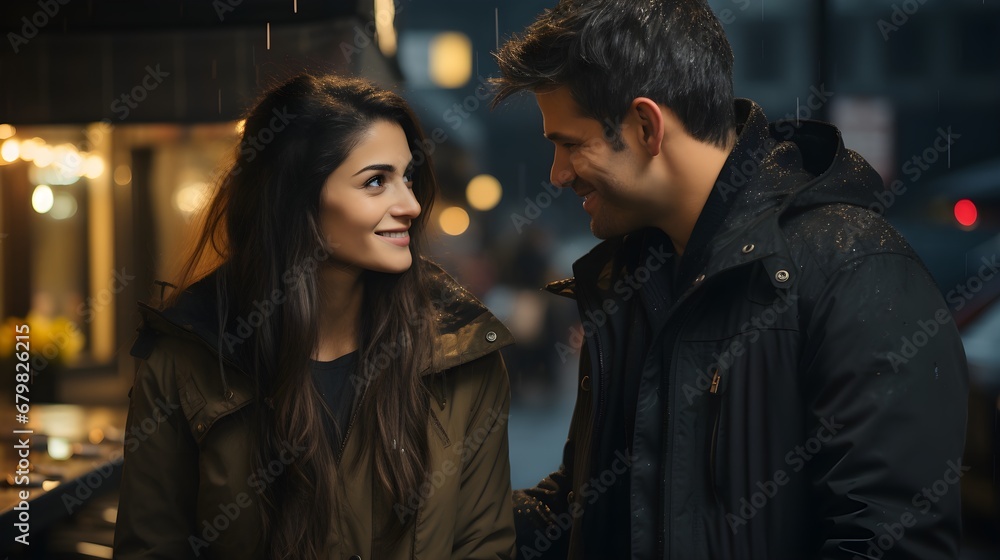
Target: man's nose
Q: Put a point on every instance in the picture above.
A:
(561, 174)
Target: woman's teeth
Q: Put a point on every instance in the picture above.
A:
(394, 234)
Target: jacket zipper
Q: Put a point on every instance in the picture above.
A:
(601, 377)
(350, 424)
(665, 441)
(716, 404)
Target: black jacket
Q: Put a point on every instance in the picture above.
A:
(804, 396)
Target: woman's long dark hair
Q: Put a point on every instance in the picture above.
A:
(261, 233)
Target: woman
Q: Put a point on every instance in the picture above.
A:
(354, 405)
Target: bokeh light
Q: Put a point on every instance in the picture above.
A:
(454, 220)
(42, 199)
(450, 62)
(483, 192)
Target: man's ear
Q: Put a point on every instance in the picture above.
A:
(651, 125)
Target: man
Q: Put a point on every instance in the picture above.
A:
(769, 371)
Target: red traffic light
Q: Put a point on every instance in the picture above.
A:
(965, 212)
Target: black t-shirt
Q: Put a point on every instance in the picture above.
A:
(334, 381)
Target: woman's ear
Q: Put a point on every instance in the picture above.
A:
(651, 125)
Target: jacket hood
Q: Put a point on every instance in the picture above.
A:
(797, 163)
(466, 329)
(774, 169)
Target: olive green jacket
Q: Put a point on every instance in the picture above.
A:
(188, 490)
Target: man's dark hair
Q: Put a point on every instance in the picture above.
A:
(608, 52)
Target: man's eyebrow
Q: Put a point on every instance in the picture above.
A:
(559, 137)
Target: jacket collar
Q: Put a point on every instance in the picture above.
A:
(773, 169)
(466, 329)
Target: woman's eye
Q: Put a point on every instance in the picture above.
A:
(377, 181)
(408, 179)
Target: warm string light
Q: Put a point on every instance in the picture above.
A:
(52, 165)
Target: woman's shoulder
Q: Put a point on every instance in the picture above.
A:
(467, 332)
(180, 355)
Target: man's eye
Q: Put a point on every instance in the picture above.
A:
(569, 146)
(377, 181)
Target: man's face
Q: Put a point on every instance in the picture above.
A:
(610, 182)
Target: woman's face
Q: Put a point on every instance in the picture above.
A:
(367, 204)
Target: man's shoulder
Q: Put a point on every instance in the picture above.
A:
(829, 236)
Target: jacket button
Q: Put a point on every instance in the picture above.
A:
(699, 279)
(201, 427)
(781, 276)
(748, 248)
(585, 383)
(490, 337)
(570, 496)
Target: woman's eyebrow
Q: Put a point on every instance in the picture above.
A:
(378, 167)
(387, 167)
